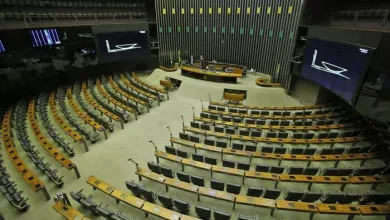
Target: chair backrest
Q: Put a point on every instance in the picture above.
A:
(228, 163)
(244, 132)
(214, 117)
(181, 153)
(284, 123)
(295, 170)
(245, 217)
(255, 112)
(221, 144)
(203, 212)
(307, 123)
(242, 111)
(233, 110)
(217, 185)
(256, 133)
(375, 197)
(298, 123)
(311, 196)
(166, 201)
(184, 136)
(233, 188)
(204, 115)
(309, 136)
(277, 113)
(221, 109)
(210, 160)
(330, 171)
(197, 180)
(265, 149)
(198, 157)
(280, 150)
(264, 113)
(262, 168)
(212, 107)
(148, 194)
(209, 142)
(326, 151)
(298, 135)
(282, 135)
(219, 215)
(182, 206)
(260, 122)
(274, 123)
(230, 131)
(333, 135)
(271, 134)
(338, 150)
(237, 120)
(168, 172)
(194, 124)
(292, 195)
(332, 197)
(311, 171)
(351, 197)
(255, 191)
(155, 168)
(219, 129)
(183, 177)
(276, 169)
(226, 118)
(170, 150)
(249, 147)
(205, 127)
(310, 151)
(243, 165)
(296, 150)
(250, 121)
(194, 139)
(237, 146)
(286, 113)
(271, 193)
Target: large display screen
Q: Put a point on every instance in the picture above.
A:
(44, 37)
(336, 66)
(2, 49)
(116, 46)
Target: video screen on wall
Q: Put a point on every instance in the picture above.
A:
(339, 67)
(117, 46)
(2, 48)
(44, 37)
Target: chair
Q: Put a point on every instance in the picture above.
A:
(195, 125)
(182, 206)
(221, 144)
(203, 212)
(351, 197)
(251, 148)
(256, 133)
(330, 172)
(265, 149)
(184, 136)
(254, 191)
(170, 150)
(311, 196)
(242, 111)
(307, 123)
(277, 113)
(197, 180)
(210, 160)
(250, 121)
(352, 150)
(274, 123)
(214, 117)
(271, 193)
(233, 188)
(264, 113)
(284, 123)
(226, 118)
(236, 146)
(345, 172)
(228, 163)
(230, 131)
(338, 150)
(181, 153)
(237, 120)
(194, 139)
(155, 168)
(298, 135)
(183, 177)
(217, 185)
(286, 113)
(362, 171)
(219, 129)
(333, 135)
(148, 194)
(298, 113)
(198, 157)
(166, 201)
(255, 112)
(322, 135)
(262, 168)
(260, 122)
(243, 132)
(219, 215)
(168, 172)
(243, 165)
(282, 135)
(295, 170)
(205, 127)
(221, 109)
(297, 151)
(280, 150)
(293, 195)
(276, 169)
(308, 136)
(271, 134)
(320, 122)
(298, 123)
(309, 151)
(326, 151)
(105, 211)
(375, 197)
(209, 142)
(332, 198)
(311, 171)
(246, 217)
(212, 107)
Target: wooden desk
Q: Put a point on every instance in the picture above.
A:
(221, 195)
(180, 185)
(167, 69)
(68, 212)
(159, 211)
(374, 209)
(100, 185)
(210, 75)
(233, 97)
(338, 209)
(255, 107)
(296, 206)
(147, 85)
(112, 100)
(255, 201)
(265, 83)
(127, 198)
(150, 175)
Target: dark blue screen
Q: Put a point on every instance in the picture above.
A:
(336, 66)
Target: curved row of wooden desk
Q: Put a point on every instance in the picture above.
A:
(146, 207)
(343, 180)
(76, 136)
(265, 83)
(274, 127)
(68, 212)
(255, 107)
(275, 140)
(167, 69)
(97, 106)
(147, 85)
(84, 116)
(136, 89)
(29, 177)
(280, 157)
(313, 208)
(273, 117)
(210, 75)
(51, 149)
(126, 95)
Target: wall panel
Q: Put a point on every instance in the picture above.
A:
(257, 33)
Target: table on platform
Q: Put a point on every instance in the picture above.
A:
(210, 75)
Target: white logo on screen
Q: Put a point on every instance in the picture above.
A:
(121, 47)
(328, 67)
(363, 50)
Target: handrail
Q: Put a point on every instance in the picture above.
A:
(288, 92)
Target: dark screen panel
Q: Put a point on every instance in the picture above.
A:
(118, 46)
(336, 66)
(44, 37)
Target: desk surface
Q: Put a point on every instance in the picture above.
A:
(210, 73)
(68, 212)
